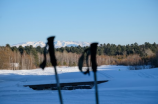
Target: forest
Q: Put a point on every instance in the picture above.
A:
(29, 57)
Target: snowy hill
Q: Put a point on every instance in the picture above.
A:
(57, 44)
(124, 86)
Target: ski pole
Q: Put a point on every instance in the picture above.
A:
(54, 63)
(96, 88)
(58, 85)
(93, 50)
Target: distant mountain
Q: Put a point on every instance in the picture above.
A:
(57, 44)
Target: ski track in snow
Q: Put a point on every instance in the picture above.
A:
(124, 86)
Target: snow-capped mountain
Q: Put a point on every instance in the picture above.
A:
(57, 44)
(34, 44)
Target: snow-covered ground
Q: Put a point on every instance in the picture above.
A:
(124, 86)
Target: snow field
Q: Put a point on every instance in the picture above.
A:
(124, 86)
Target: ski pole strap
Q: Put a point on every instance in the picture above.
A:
(89, 51)
(93, 50)
(81, 60)
(51, 53)
(51, 50)
(43, 64)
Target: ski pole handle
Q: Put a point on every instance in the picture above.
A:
(51, 50)
(93, 50)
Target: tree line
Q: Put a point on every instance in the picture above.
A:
(30, 57)
(113, 50)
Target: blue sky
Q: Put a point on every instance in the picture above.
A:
(104, 21)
